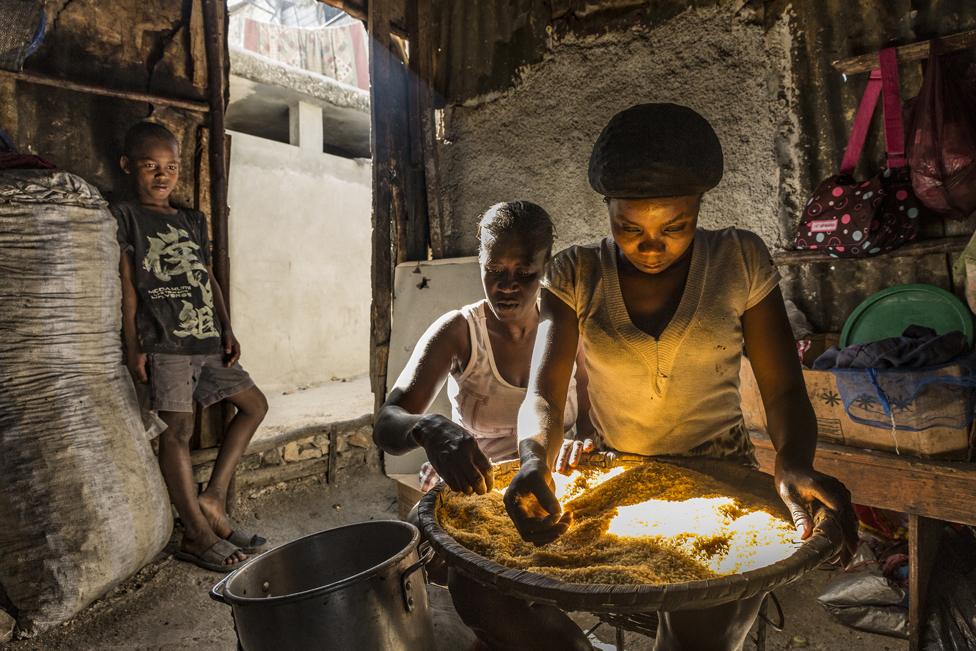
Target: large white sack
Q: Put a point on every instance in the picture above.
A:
(82, 503)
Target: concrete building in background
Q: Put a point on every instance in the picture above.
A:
(300, 199)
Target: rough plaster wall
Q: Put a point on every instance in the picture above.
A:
(534, 140)
(300, 241)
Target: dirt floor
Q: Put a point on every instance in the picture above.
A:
(167, 605)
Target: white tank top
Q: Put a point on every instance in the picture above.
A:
(483, 402)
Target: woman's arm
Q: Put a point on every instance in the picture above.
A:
(530, 500)
(572, 450)
(402, 424)
(584, 426)
(790, 418)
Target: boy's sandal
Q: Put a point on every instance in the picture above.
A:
(213, 559)
(247, 542)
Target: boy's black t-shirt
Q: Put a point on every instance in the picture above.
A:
(171, 254)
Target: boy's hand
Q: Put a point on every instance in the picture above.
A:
(232, 348)
(137, 363)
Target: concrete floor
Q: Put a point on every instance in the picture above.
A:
(167, 606)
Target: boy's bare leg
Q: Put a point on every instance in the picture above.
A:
(177, 469)
(252, 406)
(720, 628)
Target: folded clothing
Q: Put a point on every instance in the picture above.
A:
(917, 347)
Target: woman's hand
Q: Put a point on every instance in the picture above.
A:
(532, 505)
(571, 453)
(802, 488)
(454, 454)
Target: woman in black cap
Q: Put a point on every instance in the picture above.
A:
(662, 309)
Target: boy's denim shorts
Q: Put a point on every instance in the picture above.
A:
(175, 381)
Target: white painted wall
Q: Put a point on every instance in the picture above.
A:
(300, 262)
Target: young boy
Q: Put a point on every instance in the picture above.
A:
(178, 339)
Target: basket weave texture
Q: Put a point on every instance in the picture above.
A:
(634, 598)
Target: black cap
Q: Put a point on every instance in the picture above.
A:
(656, 150)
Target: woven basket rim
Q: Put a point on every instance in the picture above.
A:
(627, 598)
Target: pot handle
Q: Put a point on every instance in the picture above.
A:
(217, 592)
(426, 554)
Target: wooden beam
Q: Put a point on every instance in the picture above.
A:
(943, 490)
(911, 52)
(938, 245)
(360, 11)
(92, 89)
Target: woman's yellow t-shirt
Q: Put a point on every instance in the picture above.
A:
(668, 395)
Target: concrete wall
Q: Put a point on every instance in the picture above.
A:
(533, 141)
(300, 251)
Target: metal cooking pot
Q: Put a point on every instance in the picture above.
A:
(355, 587)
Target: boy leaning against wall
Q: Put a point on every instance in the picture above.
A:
(178, 339)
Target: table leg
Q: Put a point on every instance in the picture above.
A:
(761, 625)
(924, 535)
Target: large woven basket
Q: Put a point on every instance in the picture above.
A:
(633, 598)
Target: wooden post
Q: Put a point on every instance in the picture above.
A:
(213, 17)
(924, 535)
(380, 62)
(422, 69)
(399, 194)
(214, 22)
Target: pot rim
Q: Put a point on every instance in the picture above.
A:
(236, 600)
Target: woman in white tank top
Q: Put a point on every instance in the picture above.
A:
(484, 352)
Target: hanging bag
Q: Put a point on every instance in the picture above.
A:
(856, 219)
(942, 142)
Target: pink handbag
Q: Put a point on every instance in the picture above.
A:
(855, 219)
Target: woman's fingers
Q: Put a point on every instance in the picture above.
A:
(485, 469)
(534, 509)
(801, 518)
(802, 492)
(576, 453)
(571, 453)
(451, 479)
(835, 496)
(543, 532)
(562, 459)
(472, 479)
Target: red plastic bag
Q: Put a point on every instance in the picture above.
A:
(942, 137)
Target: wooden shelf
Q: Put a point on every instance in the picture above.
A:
(925, 247)
(944, 490)
(911, 52)
(91, 89)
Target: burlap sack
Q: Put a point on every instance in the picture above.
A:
(82, 503)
